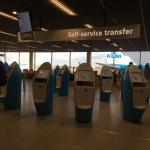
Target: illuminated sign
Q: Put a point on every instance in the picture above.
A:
(113, 55)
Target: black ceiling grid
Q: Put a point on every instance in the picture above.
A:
(43, 14)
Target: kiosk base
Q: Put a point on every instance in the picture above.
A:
(104, 96)
(84, 115)
(43, 109)
(134, 115)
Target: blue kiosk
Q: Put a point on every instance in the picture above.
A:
(84, 92)
(42, 85)
(6, 65)
(135, 94)
(55, 74)
(62, 81)
(106, 83)
(12, 90)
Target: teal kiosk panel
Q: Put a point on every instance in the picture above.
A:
(12, 100)
(136, 91)
(43, 86)
(84, 92)
(106, 83)
(55, 74)
(6, 65)
(62, 81)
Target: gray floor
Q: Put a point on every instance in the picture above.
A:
(24, 130)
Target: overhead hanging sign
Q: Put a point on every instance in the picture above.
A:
(112, 32)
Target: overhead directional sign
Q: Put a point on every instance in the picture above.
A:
(112, 32)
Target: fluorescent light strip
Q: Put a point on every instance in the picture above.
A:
(43, 29)
(7, 42)
(96, 49)
(86, 45)
(71, 50)
(11, 47)
(63, 7)
(114, 44)
(88, 25)
(8, 16)
(57, 46)
(74, 41)
(108, 40)
(121, 49)
(31, 46)
(6, 33)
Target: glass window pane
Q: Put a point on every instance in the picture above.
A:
(24, 60)
(145, 58)
(41, 57)
(60, 58)
(77, 58)
(98, 59)
(11, 57)
(2, 56)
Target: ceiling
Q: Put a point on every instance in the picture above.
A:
(98, 13)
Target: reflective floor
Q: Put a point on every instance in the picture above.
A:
(24, 130)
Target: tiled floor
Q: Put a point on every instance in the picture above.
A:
(24, 130)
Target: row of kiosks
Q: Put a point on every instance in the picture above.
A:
(62, 81)
(84, 92)
(11, 91)
(135, 94)
(106, 83)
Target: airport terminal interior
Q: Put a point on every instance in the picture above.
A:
(74, 74)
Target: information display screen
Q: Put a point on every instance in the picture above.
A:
(106, 73)
(43, 74)
(85, 76)
(136, 77)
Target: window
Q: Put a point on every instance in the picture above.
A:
(99, 59)
(2, 57)
(11, 57)
(77, 58)
(40, 58)
(60, 58)
(24, 60)
(145, 58)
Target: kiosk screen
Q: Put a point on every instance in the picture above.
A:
(106, 73)
(136, 77)
(84, 76)
(42, 75)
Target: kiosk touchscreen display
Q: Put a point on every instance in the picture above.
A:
(106, 74)
(136, 77)
(84, 76)
(42, 75)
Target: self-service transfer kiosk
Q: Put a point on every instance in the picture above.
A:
(84, 92)
(12, 90)
(106, 83)
(62, 81)
(135, 95)
(43, 89)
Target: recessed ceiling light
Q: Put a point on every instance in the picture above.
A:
(31, 46)
(96, 49)
(63, 7)
(8, 16)
(88, 25)
(85, 45)
(114, 44)
(14, 12)
(6, 33)
(43, 29)
(121, 49)
(57, 46)
(108, 40)
(74, 41)
(7, 42)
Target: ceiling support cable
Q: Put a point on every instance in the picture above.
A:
(143, 23)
